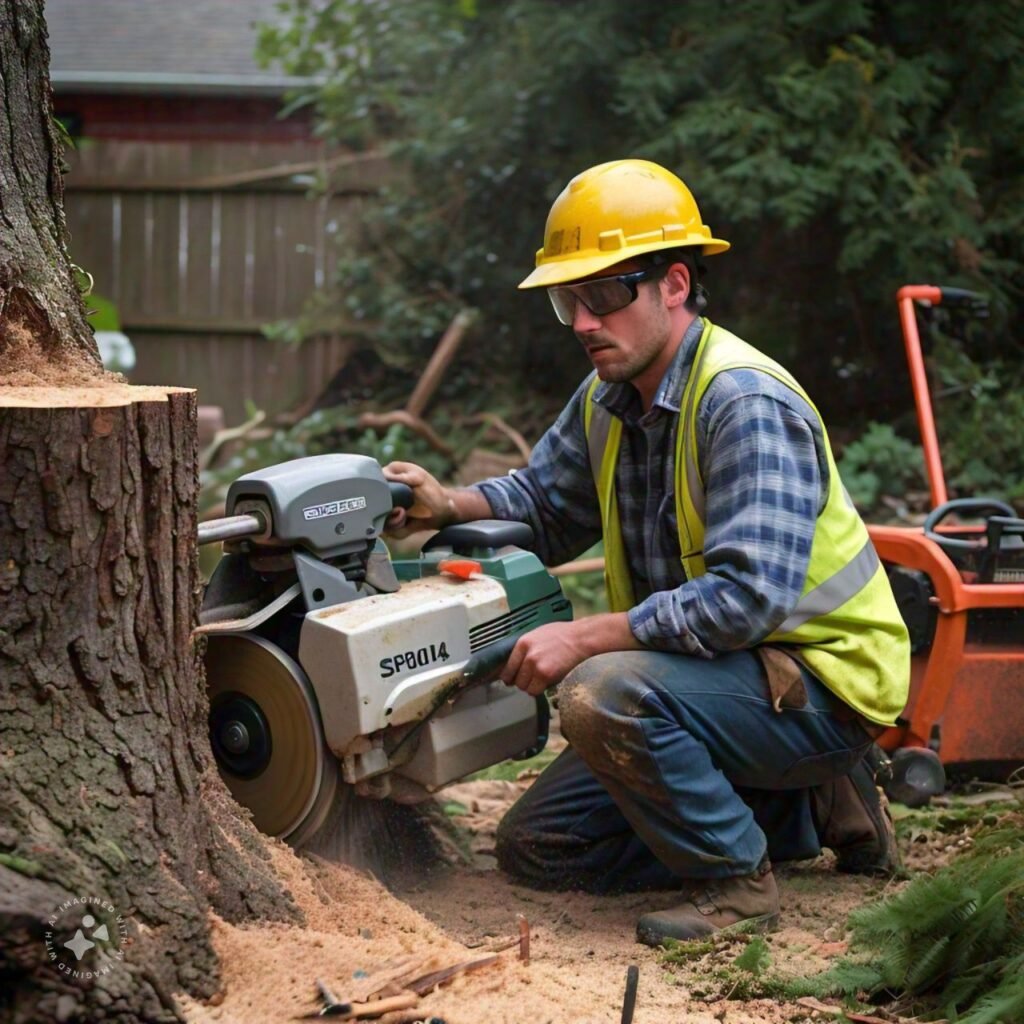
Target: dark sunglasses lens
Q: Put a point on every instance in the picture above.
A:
(601, 297)
(605, 295)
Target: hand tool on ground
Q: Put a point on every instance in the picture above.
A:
(332, 667)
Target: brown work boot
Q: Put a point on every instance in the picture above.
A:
(750, 900)
(853, 820)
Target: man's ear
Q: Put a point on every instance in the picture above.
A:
(676, 285)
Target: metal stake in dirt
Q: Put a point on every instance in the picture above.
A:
(629, 1002)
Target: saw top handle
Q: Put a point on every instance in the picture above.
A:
(231, 528)
(401, 494)
(252, 524)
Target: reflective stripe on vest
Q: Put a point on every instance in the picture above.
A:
(846, 626)
(836, 590)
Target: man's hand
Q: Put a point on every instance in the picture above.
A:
(432, 505)
(546, 655)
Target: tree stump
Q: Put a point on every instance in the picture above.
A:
(116, 833)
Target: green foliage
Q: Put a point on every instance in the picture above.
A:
(755, 959)
(949, 945)
(978, 406)
(716, 973)
(953, 942)
(880, 462)
(679, 951)
(959, 816)
(845, 147)
(980, 409)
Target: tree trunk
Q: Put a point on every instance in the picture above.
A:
(42, 320)
(116, 835)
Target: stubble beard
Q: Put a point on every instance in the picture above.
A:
(636, 362)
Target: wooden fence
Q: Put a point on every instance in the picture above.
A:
(200, 244)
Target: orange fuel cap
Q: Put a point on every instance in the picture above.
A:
(461, 568)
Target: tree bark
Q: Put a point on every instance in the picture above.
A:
(42, 319)
(116, 834)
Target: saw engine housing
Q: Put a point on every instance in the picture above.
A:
(331, 665)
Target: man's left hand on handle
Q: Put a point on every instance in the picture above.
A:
(546, 655)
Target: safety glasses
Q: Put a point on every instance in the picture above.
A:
(601, 296)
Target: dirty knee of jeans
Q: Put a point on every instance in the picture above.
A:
(595, 696)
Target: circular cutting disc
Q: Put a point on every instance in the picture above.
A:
(266, 733)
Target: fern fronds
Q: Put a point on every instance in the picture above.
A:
(1003, 1005)
(954, 940)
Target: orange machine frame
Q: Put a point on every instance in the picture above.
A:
(965, 696)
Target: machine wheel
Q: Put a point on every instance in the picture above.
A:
(914, 776)
(267, 737)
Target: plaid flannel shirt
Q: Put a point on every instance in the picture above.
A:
(766, 477)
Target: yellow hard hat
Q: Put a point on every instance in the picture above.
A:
(615, 211)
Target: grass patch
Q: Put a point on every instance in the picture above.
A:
(679, 951)
(957, 818)
(755, 958)
(716, 971)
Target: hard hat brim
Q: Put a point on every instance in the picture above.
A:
(564, 271)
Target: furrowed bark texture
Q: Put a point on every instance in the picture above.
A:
(37, 287)
(107, 785)
(114, 825)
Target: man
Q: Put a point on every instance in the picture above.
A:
(721, 711)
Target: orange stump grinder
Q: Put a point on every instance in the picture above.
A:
(960, 588)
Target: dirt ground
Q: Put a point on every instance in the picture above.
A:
(580, 945)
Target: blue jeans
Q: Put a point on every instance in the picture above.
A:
(678, 768)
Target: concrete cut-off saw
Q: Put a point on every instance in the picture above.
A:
(333, 669)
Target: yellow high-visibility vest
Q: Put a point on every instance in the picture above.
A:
(846, 627)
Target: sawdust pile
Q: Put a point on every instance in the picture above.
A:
(355, 928)
(580, 945)
(27, 362)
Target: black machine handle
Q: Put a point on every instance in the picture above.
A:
(996, 528)
(485, 665)
(401, 495)
(963, 506)
(486, 534)
(973, 302)
(488, 662)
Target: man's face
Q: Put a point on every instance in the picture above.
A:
(624, 344)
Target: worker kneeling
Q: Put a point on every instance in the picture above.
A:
(722, 714)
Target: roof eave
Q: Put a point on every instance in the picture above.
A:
(167, 84)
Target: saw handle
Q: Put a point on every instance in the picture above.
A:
(488, 662)
(231, 528)
(401, 495)
(253, 524)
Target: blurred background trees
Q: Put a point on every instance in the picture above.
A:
(845, 148)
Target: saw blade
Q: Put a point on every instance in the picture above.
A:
(266, 733)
